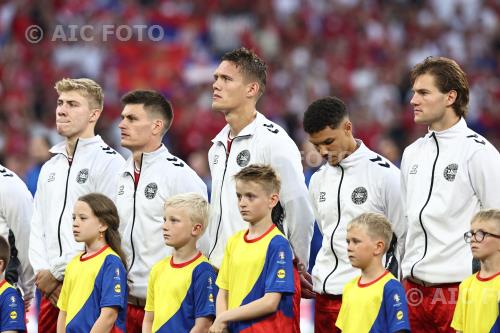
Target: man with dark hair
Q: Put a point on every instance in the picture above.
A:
(355, 180)
(447, 176)
(151, 175)
(249, 138)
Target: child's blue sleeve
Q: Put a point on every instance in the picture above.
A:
(396, 306)
(114, 283)
(12, 311)
(205, 290)
(279, 267)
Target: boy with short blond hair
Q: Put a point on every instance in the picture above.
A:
(374, 301)
(11, 304)
(479, 294)
(256, 278)
(181, 288)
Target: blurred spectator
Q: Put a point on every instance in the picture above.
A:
(39, 153)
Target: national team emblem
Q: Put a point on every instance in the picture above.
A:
(82, 177)
(281, 254)
(121, 190)
(450, 172)
(397, 298)
(150, 190)
(399, 315)
(210, 298)
(413, 170)
(243, 158)
(281, 274)
(322, 196)
(13, 315)
(216, 159)
(118, 288)
(52, 177)
(359, 195)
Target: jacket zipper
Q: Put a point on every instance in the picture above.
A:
(333, 233)
(433, 135)
(133, 218)
(65, 199)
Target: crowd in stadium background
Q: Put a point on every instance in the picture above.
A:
(359, 50)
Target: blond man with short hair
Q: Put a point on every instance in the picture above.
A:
(81, 164)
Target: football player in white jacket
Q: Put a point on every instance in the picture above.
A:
(248, 138)
(16, 208)
(355, 180)
(81, 164)
(447, 176)
(151, 175)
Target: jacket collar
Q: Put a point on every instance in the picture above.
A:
(146, 159)
(248, 130)
(454, 131)
(359, 154)
(81, 143)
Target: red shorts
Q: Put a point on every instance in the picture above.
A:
(135, 316)
(326, 311)
(47, 318)
(431, 308)
(296, 299)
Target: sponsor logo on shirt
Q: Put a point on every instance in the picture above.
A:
(150, 190)
(281, 273)
(52, 177)
(450, 172)
(211, 298)
(399, 315)
(118, 288)
(359, 195)
(413, 170)
(82, 177)
(13, 315)
(243, 158)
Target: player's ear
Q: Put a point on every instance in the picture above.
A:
(253, 89)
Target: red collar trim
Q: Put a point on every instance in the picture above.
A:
(253, 240)
(481, 278)
(2, 283)
(183, 264)
(364, 285)
(94, 255)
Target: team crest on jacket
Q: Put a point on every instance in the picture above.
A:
(82, 177)
(150, 190)
(243, 158)
(450, 172)
(359, 195)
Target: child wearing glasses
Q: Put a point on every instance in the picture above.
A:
(479, 294)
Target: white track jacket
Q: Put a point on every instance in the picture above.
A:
(263, 142)
(141, 210)
(94, 168)
(363, 182)
(447, 177)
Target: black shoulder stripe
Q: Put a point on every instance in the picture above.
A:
(5, 173)
(180, 164)
(270, 127)
(475, 136)
(382, 163)
(108, 150)
(172, 159)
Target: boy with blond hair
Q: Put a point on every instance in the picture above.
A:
(479, 294)
(256, 278)
(11, 304)
(181, 288)
(374, 301)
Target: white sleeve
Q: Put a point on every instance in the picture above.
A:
(484, 166)
(107, 182)
(17, 216)
(394, 209)
(299, 217)
(37, 244)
